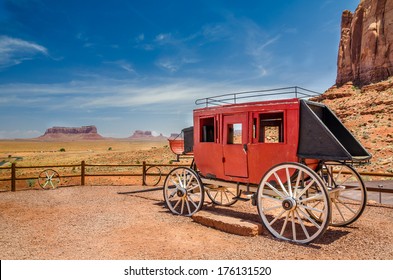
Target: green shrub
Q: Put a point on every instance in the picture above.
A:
(62, 150)
(30, 182)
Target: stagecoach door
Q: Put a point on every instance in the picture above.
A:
(235, 138)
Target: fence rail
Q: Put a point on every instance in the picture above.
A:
(144, 173)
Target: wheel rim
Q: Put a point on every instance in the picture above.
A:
(183, 192)
(154, 176)
(286, 201)
(220, 195)
(347, 192)
(49, 179)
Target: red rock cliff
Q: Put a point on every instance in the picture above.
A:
(366, 47)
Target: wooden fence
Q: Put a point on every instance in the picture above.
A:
(146, 170)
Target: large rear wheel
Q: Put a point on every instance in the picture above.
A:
(346, 190)
(288, 197)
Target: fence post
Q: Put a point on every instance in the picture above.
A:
(144, 173)
(83, 172)
(13, 177)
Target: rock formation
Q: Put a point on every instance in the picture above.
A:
(146, 135)
(366, 46)
(77, 133)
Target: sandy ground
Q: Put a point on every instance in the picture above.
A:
(97, 223)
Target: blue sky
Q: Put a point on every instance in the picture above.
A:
(126, 65)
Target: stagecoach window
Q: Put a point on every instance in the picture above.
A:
(271, 128)
(234, 133)
(207, 130)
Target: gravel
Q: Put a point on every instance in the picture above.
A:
(95, 223)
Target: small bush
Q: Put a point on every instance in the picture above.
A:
(30, 182)
(62, 150)
(110, 149)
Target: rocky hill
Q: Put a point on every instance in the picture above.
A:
(366, 47)
(368, 113)
(363, 95)
(71, 133)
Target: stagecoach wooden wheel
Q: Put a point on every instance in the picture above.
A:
(221, 195)
(346, 190)
(289, 196)
(183, 191)
(49, 179)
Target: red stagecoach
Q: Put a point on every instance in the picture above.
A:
(291, 157)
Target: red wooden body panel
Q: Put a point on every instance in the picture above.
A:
(244, 158)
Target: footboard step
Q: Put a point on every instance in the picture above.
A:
(228, 224)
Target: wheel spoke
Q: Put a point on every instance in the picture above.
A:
(215, 195)
(346, 206)
(285, 224)
(172, 194)
(280, 183)
(192, 201)
(339, 172)
(188, 206)
(306, 188)
(177, 203)
(309, 219)
(272, 208)
(271, 198)
(297, 183)
(293, 226)
(289, 181)
(276, 218)
(339, 210)
(310, 208)
(46, 183)
(179, 180)
(193, 188)
(275, 190)
(182, 206)
(318, 197)
(302, 224)
(176, 184)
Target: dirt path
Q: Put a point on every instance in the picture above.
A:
(97, 223)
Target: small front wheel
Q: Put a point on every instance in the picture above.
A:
(49, 179)
(289, 196)
(183, 191)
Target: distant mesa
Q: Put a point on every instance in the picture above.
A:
(175, 136)
(71, 133)
(146, 135)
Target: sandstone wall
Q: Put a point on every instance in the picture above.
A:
(366, 46)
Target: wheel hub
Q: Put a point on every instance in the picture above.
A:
(181, 192)
(289, 204)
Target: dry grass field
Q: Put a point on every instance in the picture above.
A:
(99, 152)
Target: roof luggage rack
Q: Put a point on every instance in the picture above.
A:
(257, 95)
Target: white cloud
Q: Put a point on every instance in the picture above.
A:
(108, 94)
(123, 65)
(14, 51)
(163, 38)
